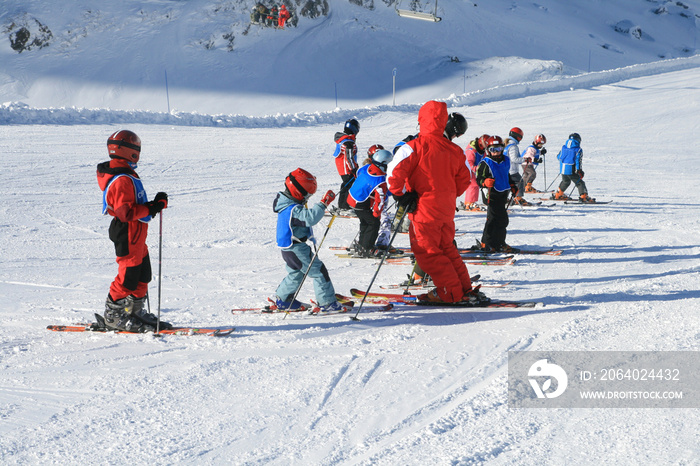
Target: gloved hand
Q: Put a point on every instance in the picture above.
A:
(409, 201)
(543, 151)
(539, 160)
(161, 196)
(579, 172)
(514, 189)
(328, 198)
(154, 208)
(488, 183)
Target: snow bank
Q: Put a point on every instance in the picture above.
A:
(17, 113)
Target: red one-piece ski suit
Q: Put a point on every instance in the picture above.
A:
(435, 168)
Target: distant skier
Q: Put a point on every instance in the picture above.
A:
(124, 198)
(259, 14)
(284, 15)
(346, 159)
(492, 173)
(272, 16)
(513, 153)
(532, 157)
(294, 222)
(368, 196)
(571, 168)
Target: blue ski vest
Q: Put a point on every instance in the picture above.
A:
(141, 197)
(500, 172)
(365, 184)
(285, 234)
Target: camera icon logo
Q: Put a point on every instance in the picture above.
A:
(542, 368)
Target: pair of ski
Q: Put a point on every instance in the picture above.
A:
(571, 200)
(413, 300)
(100, 327)
(471, 260)
(418, 286)
(546, 252)
(312, 310)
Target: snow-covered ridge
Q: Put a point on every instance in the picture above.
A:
(17, 113)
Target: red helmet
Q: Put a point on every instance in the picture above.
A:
(494, 141)
(373, 149)
(124, 144)
(481, 142)
(540, 139)
(300, 184)
(516, 133)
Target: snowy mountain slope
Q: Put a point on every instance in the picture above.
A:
(116, 55)
(404, 387)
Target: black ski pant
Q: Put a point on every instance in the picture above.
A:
(345, 186)
(369, 228)
(494, 235)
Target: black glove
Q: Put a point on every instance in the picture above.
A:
(539, 160)
(158, 203)
(579, 172)
(543, 151)
(409, 201)
(154, 207)
(514, 189)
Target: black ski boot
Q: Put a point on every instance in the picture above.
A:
(135, 307)
(116, 317)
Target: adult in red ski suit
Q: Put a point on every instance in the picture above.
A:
(434, 168)
(284, 15)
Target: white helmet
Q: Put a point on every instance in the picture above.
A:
(381, 158)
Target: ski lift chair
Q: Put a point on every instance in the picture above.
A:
(418, 14)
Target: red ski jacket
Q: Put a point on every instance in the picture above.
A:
(129, 235)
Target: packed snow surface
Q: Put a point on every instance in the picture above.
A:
(408, 386)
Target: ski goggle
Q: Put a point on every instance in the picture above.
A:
(495, 149)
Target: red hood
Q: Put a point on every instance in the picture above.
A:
(432, 118)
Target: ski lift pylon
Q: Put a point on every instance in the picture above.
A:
(418, 14)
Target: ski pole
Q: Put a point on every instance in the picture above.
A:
(160, 267)
(308, 269)
(384, 256)
(544, 167)
(410, 278)
(555, 179)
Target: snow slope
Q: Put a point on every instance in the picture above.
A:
(403, 387)
(116, 54)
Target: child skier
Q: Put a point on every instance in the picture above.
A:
(474, 154)
(532, 157)
(492, 173)
(294, 222)
(124, 198)
(345, 155)
(513, 152)
(571, 168)
(368, 196)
